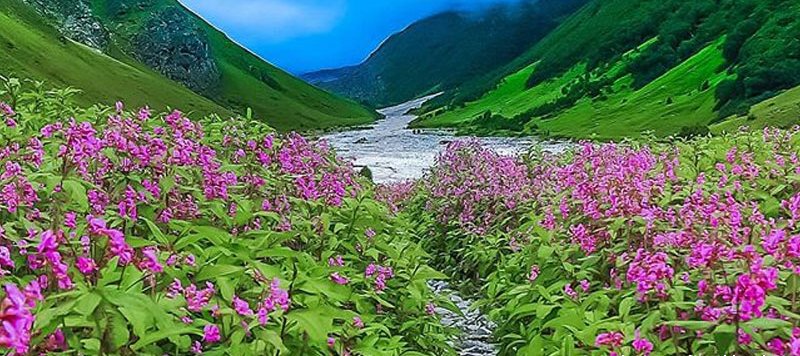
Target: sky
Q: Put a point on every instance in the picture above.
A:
(306, 35)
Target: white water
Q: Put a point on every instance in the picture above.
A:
(395, 153)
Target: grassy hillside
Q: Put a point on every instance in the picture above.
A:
(34, 48)
(31, 49)
(611, 71)
(622, 67)
(666, 105)
(673, 102)
(443, 51)
(780, 111)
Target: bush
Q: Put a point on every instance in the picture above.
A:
(134, 233)
(694, 131)
(684, 248)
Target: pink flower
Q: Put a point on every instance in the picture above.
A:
(612, 339)
(744, 338)
(211, 334)
(5, 259)
(534, 273)
(777, 346)
(86, 265)
(56, 341)
(197, 348)
(190, 260)
(241, 307)
(649, 271)
(336, 262)
(16, 320)
(331, 342)
(70, 220)
(570, 292)
(338, 279)
(197, 299)
(430, 309)
(642, 345)
(263, 316)
(150, 261)
(584, 285)
(118, 247)
(358, 323)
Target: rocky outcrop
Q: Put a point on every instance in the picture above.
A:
(118, 8)
(171, 43)
(75, 20)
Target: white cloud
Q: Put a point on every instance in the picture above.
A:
(271, 20)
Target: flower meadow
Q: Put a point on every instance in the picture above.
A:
(126, 231)
(133, 232)
(690, 247)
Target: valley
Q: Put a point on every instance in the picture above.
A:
(496, 178)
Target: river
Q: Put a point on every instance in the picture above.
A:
(395, 153)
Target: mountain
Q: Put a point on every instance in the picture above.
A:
(441, 52)
(620, 68)
(157, 52)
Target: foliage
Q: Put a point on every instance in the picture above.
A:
(125, 232)
(633, 248)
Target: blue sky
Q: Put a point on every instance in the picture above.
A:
(306, 35)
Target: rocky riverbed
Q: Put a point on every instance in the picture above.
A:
(393, 152)
(476, 329)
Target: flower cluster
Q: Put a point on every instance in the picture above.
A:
(134, 224)
(685, 236)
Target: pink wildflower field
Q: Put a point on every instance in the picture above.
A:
(125, 231)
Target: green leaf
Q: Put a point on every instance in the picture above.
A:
(92, 345)
(226, 288)
(691, 324)
(215, 271)
(87, 303)
(118, 330)
(425, 272)
(77, 193)
(316, 325)
(768, 323)
(154, 337)
(723, 341)
(625, 306)
(159, 236)
(545, 252)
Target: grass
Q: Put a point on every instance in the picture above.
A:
(630, 113)
(623, 113)
(33, 49)
(780, 111)
(508, 99)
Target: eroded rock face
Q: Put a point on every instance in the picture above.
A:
(172, 44)
(75, 20)
(119, 8)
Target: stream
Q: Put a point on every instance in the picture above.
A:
(395, 153)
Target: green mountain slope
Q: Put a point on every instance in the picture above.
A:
(441, 52)
(622, 67)
(157, 52)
